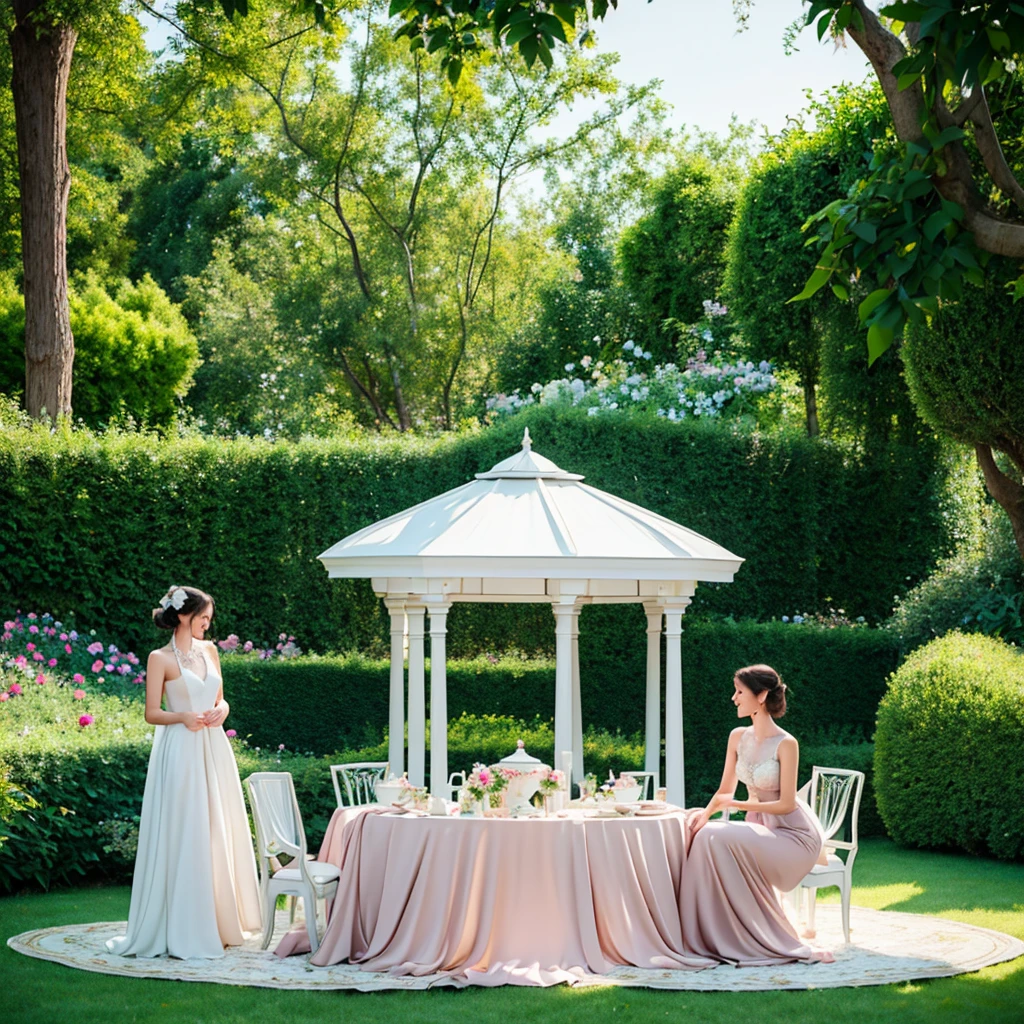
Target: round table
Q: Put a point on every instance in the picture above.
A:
(493, 901)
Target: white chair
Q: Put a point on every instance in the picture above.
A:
(829, 798)
(455, 786)
(647, 780)
(359, 778)
(275, 811)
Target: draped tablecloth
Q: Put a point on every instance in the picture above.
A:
(493, 901)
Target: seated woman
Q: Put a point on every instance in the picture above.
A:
(735, 869)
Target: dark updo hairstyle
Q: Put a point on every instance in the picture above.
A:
(195, 601)
(764, 679)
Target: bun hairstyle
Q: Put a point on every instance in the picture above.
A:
(167, 616)
(764, 679)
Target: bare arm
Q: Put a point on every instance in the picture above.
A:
(726, 788)
(789, 759)
(155, 714)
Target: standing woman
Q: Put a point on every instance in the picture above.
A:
(194, 890)
(735, 869)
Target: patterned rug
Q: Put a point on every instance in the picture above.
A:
(886, 947)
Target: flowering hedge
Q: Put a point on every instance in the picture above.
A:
(103, 524)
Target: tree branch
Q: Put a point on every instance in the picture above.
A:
(991, 151)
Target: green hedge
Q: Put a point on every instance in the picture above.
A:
(101, 524)
(949, 755)
(835, 678)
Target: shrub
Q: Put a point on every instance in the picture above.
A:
(134, 353)
(949, 760)
(245, 519)
(963, 586)
(836, 678)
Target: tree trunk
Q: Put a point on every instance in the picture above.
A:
(811, 407)
(41, 56)
(1007, 491)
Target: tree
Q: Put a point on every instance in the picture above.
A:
(673, 257)
(401, 180)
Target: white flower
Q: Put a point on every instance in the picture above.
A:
(1010, 65)
(535, 388)
(569, 367)
(176, 599)
(593, 410)
(628, 346)
(646, 355)
(586, 361)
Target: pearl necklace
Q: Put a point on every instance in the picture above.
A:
(193, 657)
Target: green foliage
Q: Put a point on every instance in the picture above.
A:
(248, 518)
(948, 747)
(966, 590)
(134, 353)
(835, 679)
(673, 257)
(913, 226)
(972, 392)
(186, 204)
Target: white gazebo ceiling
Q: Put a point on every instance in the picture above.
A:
(527, 519)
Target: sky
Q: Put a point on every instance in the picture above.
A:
(710, 71)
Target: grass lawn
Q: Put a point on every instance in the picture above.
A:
(982, 892)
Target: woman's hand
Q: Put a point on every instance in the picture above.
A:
(192, 721)
(216, 715)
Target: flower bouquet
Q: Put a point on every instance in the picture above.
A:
(551, 782)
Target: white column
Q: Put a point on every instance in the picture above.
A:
(577, 707)
(438, 701)
(675, 781)
(396, 704)
(563, 676)
(652, 745)
(417, 701)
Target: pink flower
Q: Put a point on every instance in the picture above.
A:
(95, 648)
(37, 656)
(40, 679)
(33, 629)
(230, 733)
(64, 636)
(32, 615)
(8, 624)
(15, 688)
(97, 665)
(3, 697)
(30, 647)
(280, 746)
(20, 661)
(67, 647)
(78, 678)
(79, 694)
(109, 667)
(485, 777)
(52, 662)
(248, 646)
(85, 720)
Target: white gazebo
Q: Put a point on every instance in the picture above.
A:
(527, 530)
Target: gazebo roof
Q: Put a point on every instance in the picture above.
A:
(527, 519)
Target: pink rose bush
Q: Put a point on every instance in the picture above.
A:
(66, 653)
(284, 648)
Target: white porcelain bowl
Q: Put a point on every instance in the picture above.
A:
(386, 792)
(627, 794)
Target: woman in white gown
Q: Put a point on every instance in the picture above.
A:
(194, 890)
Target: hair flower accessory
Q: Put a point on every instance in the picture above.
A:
(175, 599)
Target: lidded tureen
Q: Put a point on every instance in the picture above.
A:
(525, 774)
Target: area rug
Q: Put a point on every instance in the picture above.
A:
(886, 947)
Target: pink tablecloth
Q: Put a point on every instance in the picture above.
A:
(493, 901)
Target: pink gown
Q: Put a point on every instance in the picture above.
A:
(735, 871)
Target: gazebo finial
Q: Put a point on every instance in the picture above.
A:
(527, 443)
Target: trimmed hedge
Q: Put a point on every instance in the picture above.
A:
(101, 524)
(949, 754)
(835, 678)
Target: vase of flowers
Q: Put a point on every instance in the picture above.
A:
(550, 782)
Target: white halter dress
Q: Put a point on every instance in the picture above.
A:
(195, 888)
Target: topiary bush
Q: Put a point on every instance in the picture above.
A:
(949, 756)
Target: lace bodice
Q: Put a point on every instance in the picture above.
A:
(757, 763)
